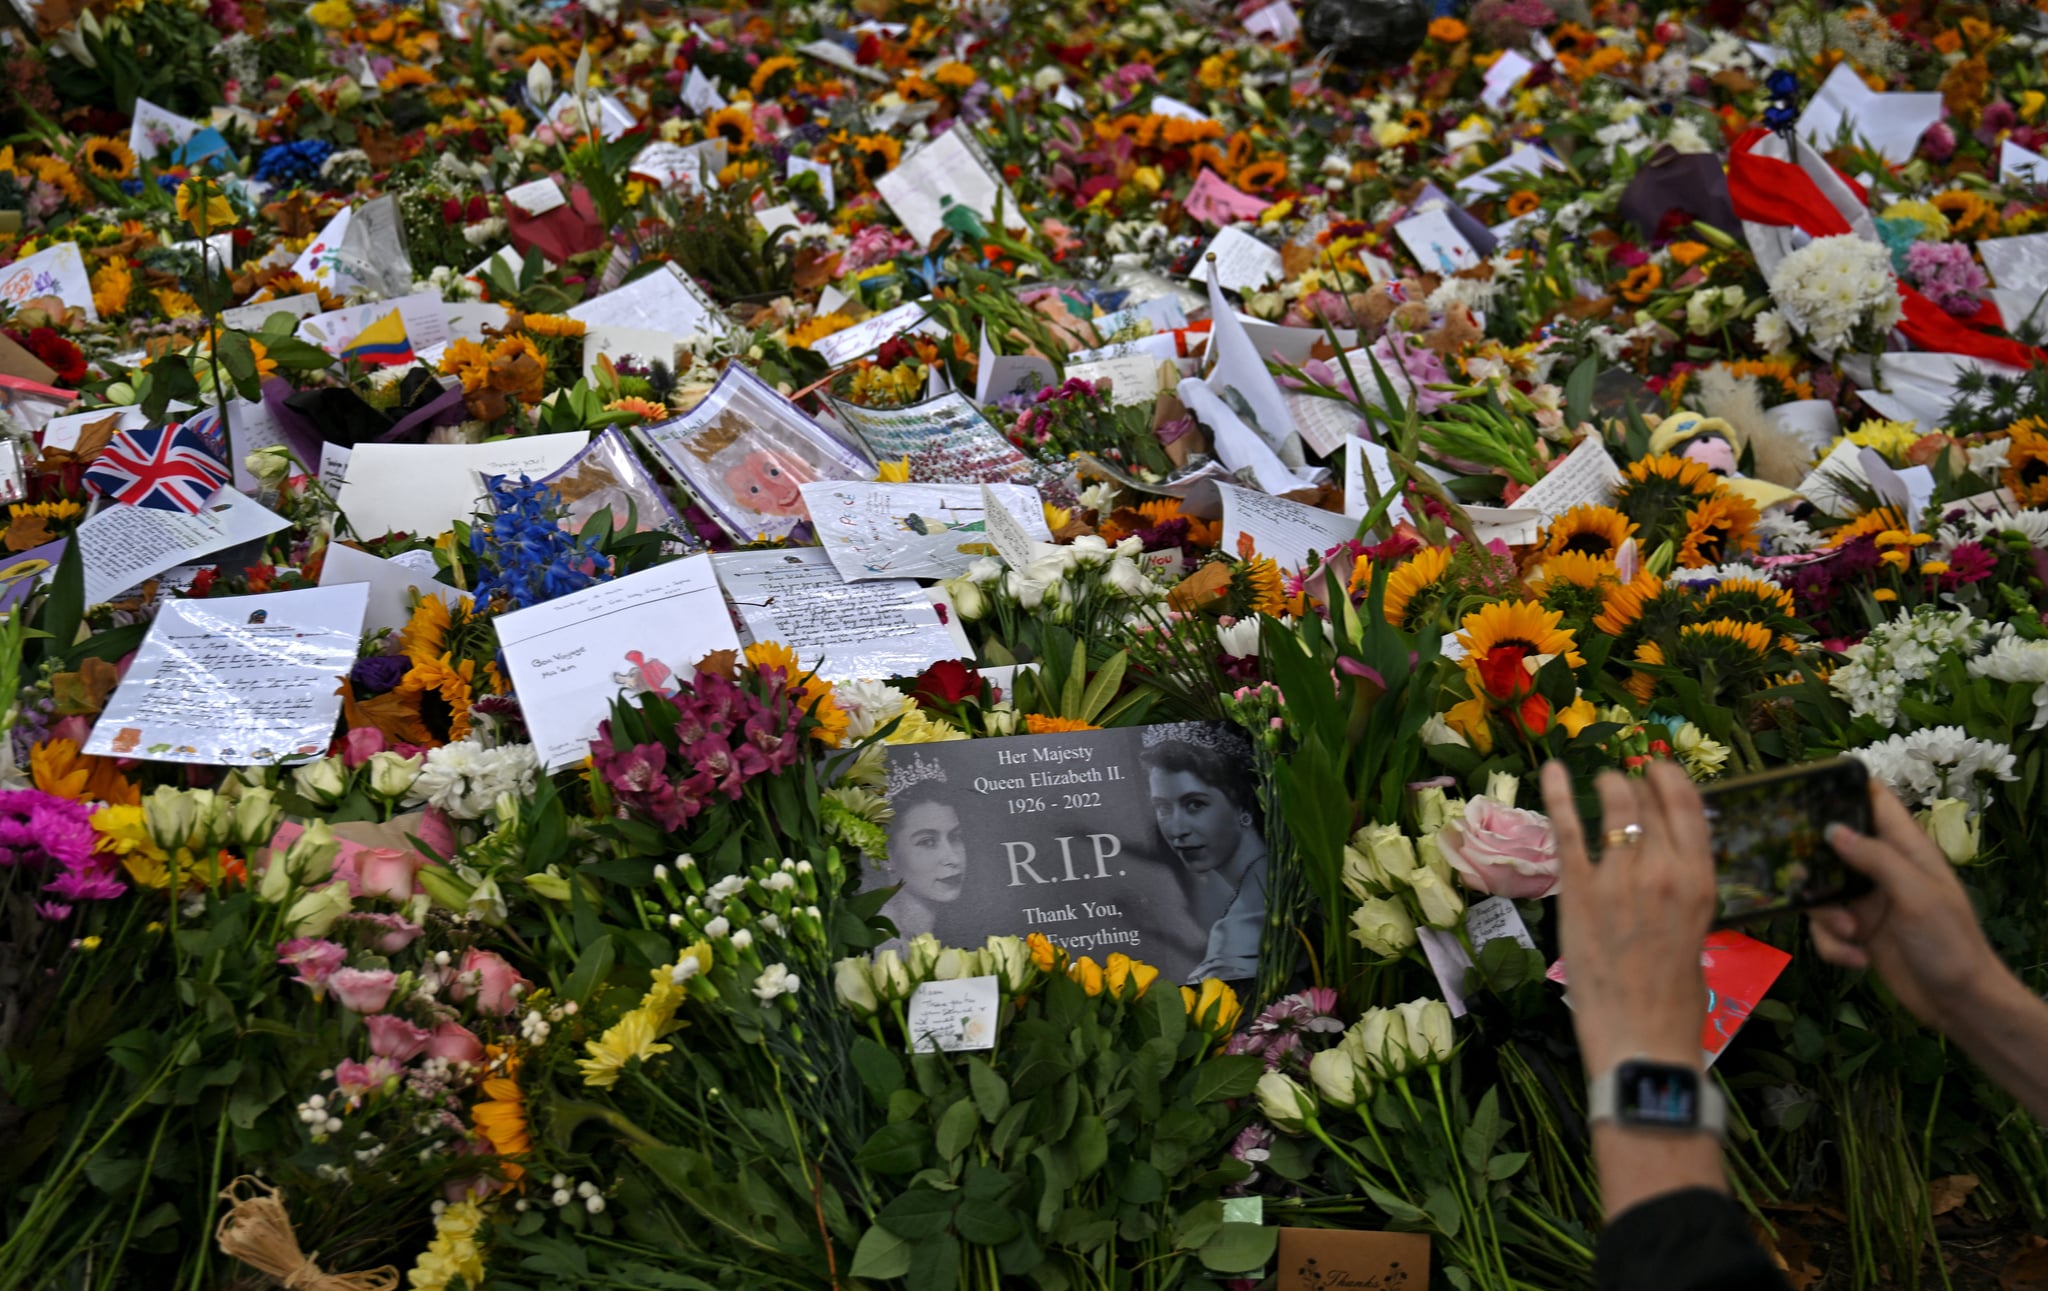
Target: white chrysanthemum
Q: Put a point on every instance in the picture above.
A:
(2011, 659)
(1784, 534)
(1772, 332)
(466, 780)
(869, 706)
(2033, 525)
(1939, 762)
(1837, 291)
(1988, 459)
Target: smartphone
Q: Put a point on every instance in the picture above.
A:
(1771, 852)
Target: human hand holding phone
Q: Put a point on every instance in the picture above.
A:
(1915, 927)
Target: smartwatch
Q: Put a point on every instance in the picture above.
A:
(1648, 1095)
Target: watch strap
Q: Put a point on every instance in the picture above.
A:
(1603, 1101)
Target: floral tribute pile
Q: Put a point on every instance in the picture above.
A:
(1634, 383)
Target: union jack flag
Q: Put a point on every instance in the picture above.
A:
(168, 468)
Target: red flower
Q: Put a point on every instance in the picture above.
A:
(1501, 673)
(948, 681)
(63, 358)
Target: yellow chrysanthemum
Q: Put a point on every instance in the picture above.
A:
(632, 1038)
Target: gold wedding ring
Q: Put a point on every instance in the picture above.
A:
(1628, 835)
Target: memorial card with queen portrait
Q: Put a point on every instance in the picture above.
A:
(1144, 840)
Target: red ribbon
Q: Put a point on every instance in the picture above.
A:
(1767, 191)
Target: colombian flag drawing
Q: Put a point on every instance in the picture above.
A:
(383, 342)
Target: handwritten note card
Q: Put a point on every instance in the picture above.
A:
(664, 301)
(913, 530)
(1286, 531)
(1243, 263)
(122, 546)
(236, 680)
(843, 631)
(948, 171)
(426, 488)
(1586, 475)
(870, 334)
(954, 1016)
(644, 633)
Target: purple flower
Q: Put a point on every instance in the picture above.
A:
(1939, 143)
(52, 911)
(377, 674)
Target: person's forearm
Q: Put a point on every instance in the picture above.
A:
(2003, 1026)
(1636, 1165)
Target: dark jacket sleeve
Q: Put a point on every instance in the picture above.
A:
(1692, 1240)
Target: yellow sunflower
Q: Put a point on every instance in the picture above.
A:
(2026, 458)
(1717, 529)
(734, 124)
(1750, 599)
(1574, 583)
(443, 690)
(876, 154)
(818, 328)
(1590, 531)
(1417, 580)
(1518, 623)
(763, 83)
(1262, 580)
(106, 158)
(1625, 604)
(1641, 685)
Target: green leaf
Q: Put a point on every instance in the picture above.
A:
(894, 1149)
(1231, 1076)
(1506, 1165)
(591, 967)
(991, 1092)
(956, 1128)
(986, 1223)
(918, 1214)
(1090, 1142)
(935, 1265)
(1077, 677)
(877, 1068)
(64, 609)
(1239, 1248)
(1102, 688)
(881, 1255)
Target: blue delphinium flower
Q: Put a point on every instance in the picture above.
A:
(287, 163)
(527, 556)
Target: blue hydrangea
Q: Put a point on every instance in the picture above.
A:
(288, 163)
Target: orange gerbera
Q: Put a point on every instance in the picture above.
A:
(1041, 724)
(59, 769)
(501, 1120)
(1521, 202)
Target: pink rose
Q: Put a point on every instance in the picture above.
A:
(456, 1043)
(314, 960)
(361, 742)
(487, 974)
(1503, 851)
(355, 1079)
(387, 933)
(363, 990)
(395, 1038)
(380, 872)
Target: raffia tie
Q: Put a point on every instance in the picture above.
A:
(258, 1231)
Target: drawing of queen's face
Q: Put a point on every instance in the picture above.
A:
(765, 482)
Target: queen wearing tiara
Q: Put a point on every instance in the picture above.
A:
(1204, 801)
(927, 854)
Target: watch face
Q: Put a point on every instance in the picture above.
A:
(1657, 1094)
